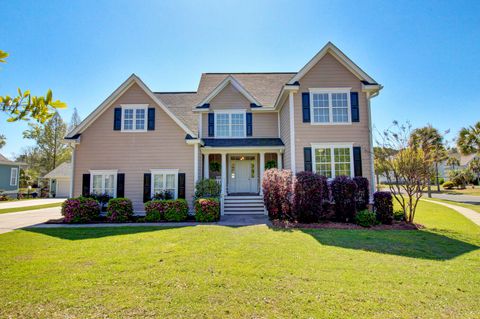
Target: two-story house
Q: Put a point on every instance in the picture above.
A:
(139, 142)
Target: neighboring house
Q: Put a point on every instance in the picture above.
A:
(139, 142)
(60, 180)
(464, 161)
(9, 176)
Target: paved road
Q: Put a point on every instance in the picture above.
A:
(11, 221)
(468, 199)
(30, 202)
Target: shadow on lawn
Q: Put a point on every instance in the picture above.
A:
(408, 243)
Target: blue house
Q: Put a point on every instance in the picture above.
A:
(9, 176)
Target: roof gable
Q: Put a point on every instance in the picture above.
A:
(220, 87)
(133, 79)
(341, 57)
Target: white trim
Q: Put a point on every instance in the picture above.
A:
(13, 176)
(292, 133)
(230, 112)
(200, 125)
(332, 146)
(72, 173)
(134, 119)
(113, 172)
(340, 56)
(223, 84)
(195, 163)
(113, 97)
(238, 149)
(330, 91)
(160, 171)
(372, 153)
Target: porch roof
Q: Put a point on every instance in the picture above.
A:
(242, 142)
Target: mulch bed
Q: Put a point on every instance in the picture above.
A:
(397, 225)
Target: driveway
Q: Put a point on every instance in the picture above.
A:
(468, 199)
(30, 202)
(11, 221)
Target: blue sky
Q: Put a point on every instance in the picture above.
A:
(424, 53)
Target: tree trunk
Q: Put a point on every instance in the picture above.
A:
(378, 182)
(429, 189)
(436, 178)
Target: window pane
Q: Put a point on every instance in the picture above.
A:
(342, 161)
(323, 162)
(339, 107)
(222, 125)
(128, 119)
(170, 184)
(110, 185)
(97, 184)
(157, 183)
(140, 119)
(238, 125)
(320, 108)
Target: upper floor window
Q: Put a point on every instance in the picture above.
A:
(330, 106)
(104, 182)
(230, 124)
(134, 118)
(13, 176)
(333, 160)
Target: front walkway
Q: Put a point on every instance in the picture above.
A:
(12, 221)
(467, 212)
(30, 202)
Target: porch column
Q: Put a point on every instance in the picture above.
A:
(206, 166)
(195, 163)
(262, 170)
(224, 173)
(279, 160)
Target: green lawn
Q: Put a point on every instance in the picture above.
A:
(33, 207)
(471, 206)
(244, 272)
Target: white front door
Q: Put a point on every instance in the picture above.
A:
(242, 175)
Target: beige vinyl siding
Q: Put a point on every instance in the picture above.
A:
(134, 154)
(229, 98)
(329, 73)
(285, 133)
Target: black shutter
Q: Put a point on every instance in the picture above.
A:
(249, 124)
(117, 120)
(211, 124)
(151, 119)
(306, 107)
(86, 184)
(181, 185)
(357, 160)
(147, 187)
(307, 159)
(355, 106)
(120, 185)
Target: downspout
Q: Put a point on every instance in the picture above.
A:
(370, 137)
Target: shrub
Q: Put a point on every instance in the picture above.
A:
(277, 188)
(207, 210)
(310, 191)
(383, 206)
(399, 215)
(343, 193)
(208, 188)
(365, 218)
(154, 211)
(362, 196)
(176, 210)
(448, 185)
(80, 210)
(119, 210)
(163, 195)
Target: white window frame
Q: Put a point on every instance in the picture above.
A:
(332, 146)
(134, 107)
(230, 112)
(14, 176)
(330, 91)
(164, 172)
(113, 172)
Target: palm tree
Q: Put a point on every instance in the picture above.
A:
(468, 140)
(474, 166)
(430, 141)
(452, 162)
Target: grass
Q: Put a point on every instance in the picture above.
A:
(467, 191)
(254, 272)
(471, 206)
(34, 207)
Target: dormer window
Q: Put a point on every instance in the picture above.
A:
(134, 118)
(230, 123)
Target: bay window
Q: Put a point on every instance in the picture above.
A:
(330, 106)
(164, 180)
(333, 160)
(230, 124)
(104, 182)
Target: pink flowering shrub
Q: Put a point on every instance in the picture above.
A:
(119, 210)
(80, 210)
(207, 210)
(166, 210)
(278, 192)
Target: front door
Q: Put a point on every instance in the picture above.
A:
(242, 175)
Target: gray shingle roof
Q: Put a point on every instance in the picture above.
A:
(242, 142)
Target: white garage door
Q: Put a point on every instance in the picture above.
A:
(63, 188)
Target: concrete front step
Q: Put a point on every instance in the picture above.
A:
(236, 205)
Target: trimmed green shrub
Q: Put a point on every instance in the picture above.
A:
(208, 188)
(448, 185)
(399, 215)
(383, 206)
(119, 210)
(207, 210)
(80, 210)
(154, 211)
(365, 218)
(176, 210)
